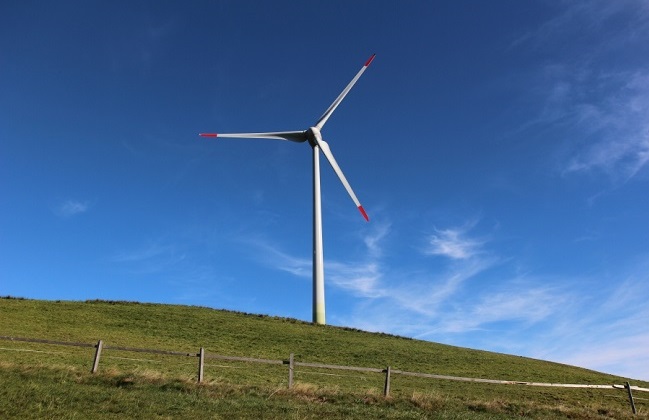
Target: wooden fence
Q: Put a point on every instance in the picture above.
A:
(100, 347)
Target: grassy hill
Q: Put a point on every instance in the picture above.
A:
(48, 381)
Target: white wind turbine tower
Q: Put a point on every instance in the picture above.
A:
(313, 136)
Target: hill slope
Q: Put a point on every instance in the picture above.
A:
(183, 328)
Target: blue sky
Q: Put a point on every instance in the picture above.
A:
(499, 148)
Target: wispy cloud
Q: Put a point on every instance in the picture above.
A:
(588, 19)
(625, 356)
(524, 305)
(454, 243)
(597, 106)
(70, 208)
(362, 278)
(271, 255)
(429, 293)
(603, 329)
(165, 263)
(150, 251)
(620, 142)
(154, 257)
(498, 320)
(373, 239)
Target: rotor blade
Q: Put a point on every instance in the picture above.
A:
(323, 119)
(324, 146)
(296, 136)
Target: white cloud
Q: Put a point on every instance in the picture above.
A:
(625, 356)
(454, 243)
(523, 304)
(361, 279)
(151, 251)
(603, 328)
(584, 19)
(450, 243)
(271, 255)
(154, 257)
(620, 143)
(71, 208)
(374, 238)
(595, 102)
(429, 294)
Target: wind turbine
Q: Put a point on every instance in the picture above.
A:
(313, 136)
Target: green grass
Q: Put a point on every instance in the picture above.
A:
(49, 381)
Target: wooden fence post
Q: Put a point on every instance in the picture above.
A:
(628, 388)
(95, 363)
(386, 388)
(201, 364)
(290, 370)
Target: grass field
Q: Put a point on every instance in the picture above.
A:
(49, 381)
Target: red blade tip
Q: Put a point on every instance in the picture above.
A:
(208, 134)
(362, 210)
(370, 60)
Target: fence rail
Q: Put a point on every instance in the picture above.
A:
(388, 371)
(43, 341)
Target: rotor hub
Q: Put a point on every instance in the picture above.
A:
(313, 136)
